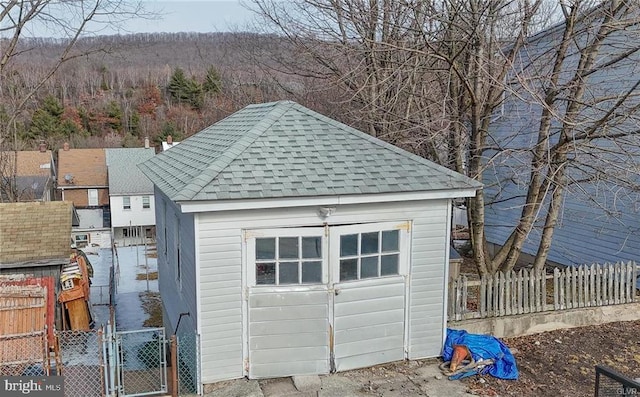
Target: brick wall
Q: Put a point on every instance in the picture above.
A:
(80, 197)
(36, 230)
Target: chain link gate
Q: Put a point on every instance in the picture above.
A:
(138, 364)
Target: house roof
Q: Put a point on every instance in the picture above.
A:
(29, 163)
(282, 149)
(84, 167)
(35, 231)
(167, 145)
(125, 178)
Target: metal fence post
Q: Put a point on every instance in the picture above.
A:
(174, 366)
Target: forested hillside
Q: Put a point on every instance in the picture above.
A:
(124, 88)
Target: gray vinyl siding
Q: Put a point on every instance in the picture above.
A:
(369, 324)
(220, 260)
(288, 333)
(599, 218)
(178, 296)
(427, 280)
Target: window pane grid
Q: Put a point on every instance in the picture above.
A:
(289, 255)
(369, 255)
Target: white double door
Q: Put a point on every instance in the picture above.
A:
(351, 315)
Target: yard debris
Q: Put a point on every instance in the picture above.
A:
(75, 282)
(476, 354)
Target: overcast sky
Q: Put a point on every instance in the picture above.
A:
(192, 16)
(170, 16)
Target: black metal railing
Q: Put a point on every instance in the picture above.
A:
(610, 382)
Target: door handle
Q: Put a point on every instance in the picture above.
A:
(336, 292)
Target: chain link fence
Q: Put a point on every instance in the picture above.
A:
(142, 361)
(187, 363)
(24, 355)
(611, 383)
(80, 361)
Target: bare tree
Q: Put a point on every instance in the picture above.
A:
(21, 22)
(433, 76)
(584, 84)
(425, 75)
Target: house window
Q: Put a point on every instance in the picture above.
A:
(126, 203)
(146, 202)
(288, 260)
(369, 255)
(81, 240)
(176, 245)
(93, 197)
(130, 232)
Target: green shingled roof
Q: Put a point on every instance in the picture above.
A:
(282, 149)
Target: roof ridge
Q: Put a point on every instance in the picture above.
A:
(198, 183)
(378, 141)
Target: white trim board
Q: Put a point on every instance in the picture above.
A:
(285, 202)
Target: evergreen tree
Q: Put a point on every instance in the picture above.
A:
(212, 82)
(185, 90)
(46, 122)
(114, 113)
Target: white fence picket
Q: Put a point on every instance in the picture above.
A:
(525, 291)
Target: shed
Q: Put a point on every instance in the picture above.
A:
(35, 243)
(294, 244)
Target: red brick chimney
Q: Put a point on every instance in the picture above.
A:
(169, 139)
(65, 147)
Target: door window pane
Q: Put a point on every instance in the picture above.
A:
(311, 272)
(389, 265)
(348, 269)
(369, 255)
(265, 248)
(349, 245)
(369, 267)
(288, 260)
(288, 273)
(312, 247)
(288, 248)
(265, 273)
(369, 243)
(390, 240)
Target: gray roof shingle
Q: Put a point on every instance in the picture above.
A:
(125, 178)
(282, 149)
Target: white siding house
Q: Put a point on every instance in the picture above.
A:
(294, 244)
(130, 196)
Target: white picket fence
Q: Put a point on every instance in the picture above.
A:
(528, 291)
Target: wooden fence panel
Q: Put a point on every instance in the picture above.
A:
(528, 291)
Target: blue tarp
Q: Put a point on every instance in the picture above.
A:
(483, 347)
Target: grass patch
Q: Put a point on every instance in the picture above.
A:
(152, 305)
(143, 276)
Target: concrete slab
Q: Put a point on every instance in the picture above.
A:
(238, 388)
(307, 382)
(282, 387)
(339, 386)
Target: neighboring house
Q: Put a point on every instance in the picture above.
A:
(27, 175)
(299, 245)
(82, 179)
(34, 241)
(131, 200)
(600, 217)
